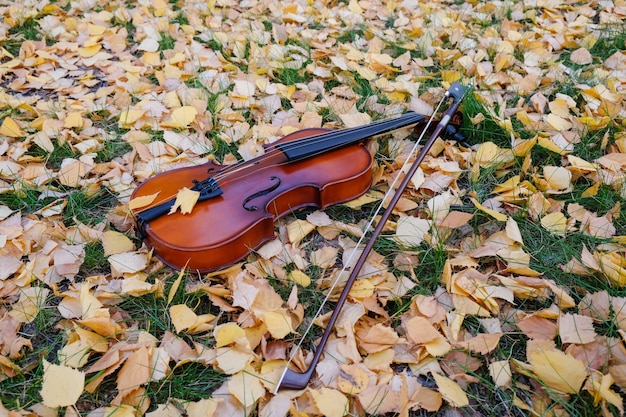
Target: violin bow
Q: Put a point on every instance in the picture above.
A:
(291, 379)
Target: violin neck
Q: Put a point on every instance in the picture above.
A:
(328, 141)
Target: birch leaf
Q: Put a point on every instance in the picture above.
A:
(62, 385)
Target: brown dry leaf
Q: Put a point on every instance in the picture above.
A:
(127, 263)
(420, 331)
(186, 199)
(134, 373)
(62, 385)
(483, 343)
(575, 328)
(581, 56)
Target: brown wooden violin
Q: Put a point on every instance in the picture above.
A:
(239, 203)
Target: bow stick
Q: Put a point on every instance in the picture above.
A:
(291, 379)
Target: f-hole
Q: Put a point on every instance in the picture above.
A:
(246, 202)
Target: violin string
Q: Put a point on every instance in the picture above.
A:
(367, 228)
(298, 144)
(330, 136)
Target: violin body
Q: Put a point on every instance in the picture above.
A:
(223, 229)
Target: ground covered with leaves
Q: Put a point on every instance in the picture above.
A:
(496, 289)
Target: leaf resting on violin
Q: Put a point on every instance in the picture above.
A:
(186, 199)
(142, 201)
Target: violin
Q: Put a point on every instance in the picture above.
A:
(238, 204)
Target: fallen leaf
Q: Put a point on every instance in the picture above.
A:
(11, 129)
(181, 117)
(330, 402)
(62, 385)
(142, 201)
(246, 387)
(114, 242)
(559, 371)
(500, 372)
(410, 231)
(575, 328)
(228, 333)
(186, 200)
(451, 391)
(555, 223)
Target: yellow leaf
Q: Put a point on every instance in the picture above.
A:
(115, 242)
(130, 116)
(512, 231)
(142, 201)
(558, 178)
(181, 117)
(32, 299)
(489, 154)
(600, 387)
(299, 278)
(61, 386)
(227, 333)
(330, 402)
(496, 215)
(352, 379)
(11, 129)
(73, 119)
(202, 408)
(278, 323)
(547, 143)
(175, 285)
(246, 387)
(555, 223)
(451, 391)
(298, 229)
(559, 371)
(501, 374)
(186, 199)
(182, 317)
(89, 51)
